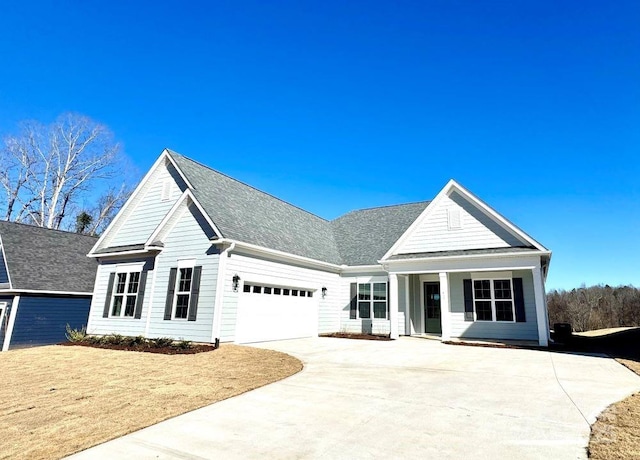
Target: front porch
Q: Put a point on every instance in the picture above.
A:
(497, 300)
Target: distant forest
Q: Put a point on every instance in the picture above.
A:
(595, 307)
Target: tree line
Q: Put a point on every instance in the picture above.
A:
(595, 307)
(69, 175)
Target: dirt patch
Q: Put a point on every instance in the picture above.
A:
(347, 335)
(58, 400)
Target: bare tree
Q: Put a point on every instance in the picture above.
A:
(48, 169)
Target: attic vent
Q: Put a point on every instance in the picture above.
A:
(166, 190)
(454, 219)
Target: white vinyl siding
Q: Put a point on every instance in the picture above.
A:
(266, 272)
(123, 325)
(143, 218)
(475, 230)
(493, 329)
(185, 240)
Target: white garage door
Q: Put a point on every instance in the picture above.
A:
(275, 313)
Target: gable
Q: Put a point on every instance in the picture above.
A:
(153, 200)
(453, 223)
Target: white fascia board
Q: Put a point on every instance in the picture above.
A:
(175, 165)
(284, 256)
(468, 256)
(37, 291)
(133, 198)
(362, 268)
(4, 259)
(150, 250)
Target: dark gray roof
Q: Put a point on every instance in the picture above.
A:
(128, 247)
(463, 252)
(47, 260)
(364, 236)
(246, 214)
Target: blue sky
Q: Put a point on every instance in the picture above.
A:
(532, 105)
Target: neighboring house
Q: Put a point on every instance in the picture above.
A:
(46, 282)
(197, 255)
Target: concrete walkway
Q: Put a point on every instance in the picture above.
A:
(410, 398)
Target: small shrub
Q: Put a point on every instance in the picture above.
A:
(75, 335)
(137, 342)
(95, 339)
(115, 339)
(161, 342)
(184, 345)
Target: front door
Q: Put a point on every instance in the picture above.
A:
(432, 320)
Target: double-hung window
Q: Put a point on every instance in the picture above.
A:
(125, 294)
(493, 300)
(183, 293)
(372, 300)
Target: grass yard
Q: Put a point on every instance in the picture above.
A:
(57, 400)
(616, 433)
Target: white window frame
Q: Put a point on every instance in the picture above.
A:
(492, 278)
(128, 270)
(371, 282)
(183, 264)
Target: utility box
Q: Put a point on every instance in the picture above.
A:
(562, 332)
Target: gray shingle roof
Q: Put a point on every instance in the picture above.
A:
(364, 236)
(48, 260)
(246, 214)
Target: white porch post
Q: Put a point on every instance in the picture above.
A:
(445, 309)
(407, 306)
(393, 305)
(541, 306)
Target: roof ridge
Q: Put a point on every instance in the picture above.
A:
(66, 232)
(173, 152)
(385, 206)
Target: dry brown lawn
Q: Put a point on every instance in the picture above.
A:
(616, 433)
(58, 400)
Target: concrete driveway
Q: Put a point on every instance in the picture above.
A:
(410, 398)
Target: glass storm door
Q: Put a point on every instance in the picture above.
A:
(432, 320)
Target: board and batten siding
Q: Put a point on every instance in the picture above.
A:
(42, 320)
(186, 240)
(255, 269)
(140, 222)
(493, 329)
(477, 230)
(123, 325)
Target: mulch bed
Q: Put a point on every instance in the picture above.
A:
(346, 335)
(196, 348)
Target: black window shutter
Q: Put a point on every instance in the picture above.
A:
(195, 292)
(168, 306)
(140, 299)
(468, 300)
(107, 301)
(518, 298)
(353, 312)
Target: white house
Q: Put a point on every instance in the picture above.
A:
(197, 255)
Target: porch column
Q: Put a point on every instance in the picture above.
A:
(445, 308)
(541, 307)
(407, 305)
(393, 305)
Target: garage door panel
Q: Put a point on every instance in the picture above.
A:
(263, 317)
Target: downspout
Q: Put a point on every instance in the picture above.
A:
(219, 300)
